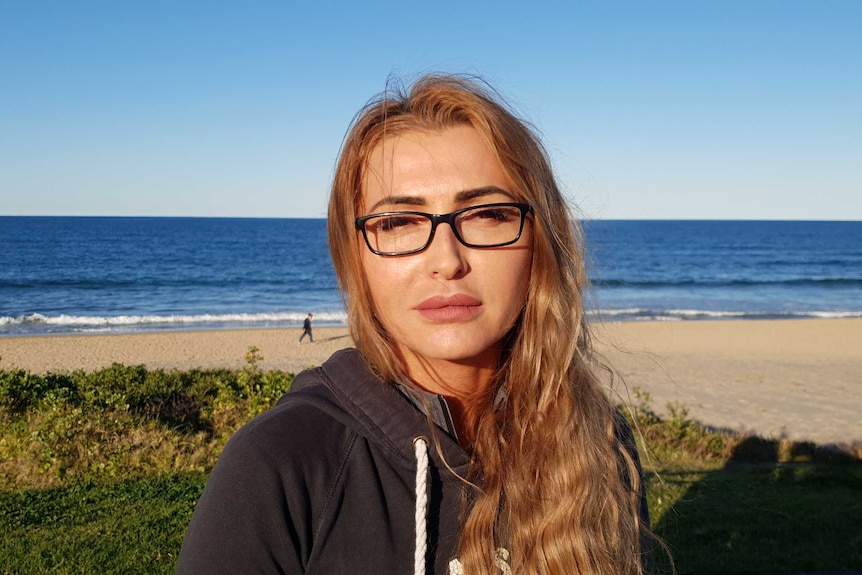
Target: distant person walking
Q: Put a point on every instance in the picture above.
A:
(306, 329)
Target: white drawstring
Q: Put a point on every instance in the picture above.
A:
(420, 450)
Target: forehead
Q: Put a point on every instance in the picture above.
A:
(427, 167)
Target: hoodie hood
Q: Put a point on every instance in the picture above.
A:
(387, 417)
(378, 411)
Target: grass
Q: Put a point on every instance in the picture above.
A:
(100, 471)
(731, 504)
(129, 527)
(760, 518)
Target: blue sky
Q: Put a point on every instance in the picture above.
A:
(732, 109)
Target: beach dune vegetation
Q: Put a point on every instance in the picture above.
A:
(124, 422)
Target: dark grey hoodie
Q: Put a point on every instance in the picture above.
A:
(325, 483)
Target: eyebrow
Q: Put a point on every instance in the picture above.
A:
(460, 197)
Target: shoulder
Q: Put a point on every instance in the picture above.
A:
(312, 422)
(303, 425)
(267, 493)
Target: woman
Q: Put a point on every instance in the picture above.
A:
(463, 278)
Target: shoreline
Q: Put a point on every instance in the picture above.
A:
(800, 379)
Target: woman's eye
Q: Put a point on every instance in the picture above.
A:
(394, 223)
(494, 214)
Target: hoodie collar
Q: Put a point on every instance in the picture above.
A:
(384, 416)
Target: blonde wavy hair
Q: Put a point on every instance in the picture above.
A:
(560, 487)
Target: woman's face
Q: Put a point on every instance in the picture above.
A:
(448, 303)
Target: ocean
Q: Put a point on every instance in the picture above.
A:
(118, 274)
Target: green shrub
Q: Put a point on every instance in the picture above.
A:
(125, 421)
(21, 391)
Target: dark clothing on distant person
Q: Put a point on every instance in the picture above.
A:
(306, 330)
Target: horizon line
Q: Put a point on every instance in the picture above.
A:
(580, 219)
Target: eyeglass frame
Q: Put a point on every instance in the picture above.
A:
(437, 219)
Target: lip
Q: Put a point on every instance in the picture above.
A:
(458, 307)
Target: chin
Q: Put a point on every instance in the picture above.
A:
(462, 350)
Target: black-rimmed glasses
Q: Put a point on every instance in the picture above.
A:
(402, 233)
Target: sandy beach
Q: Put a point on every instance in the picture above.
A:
(800, 379)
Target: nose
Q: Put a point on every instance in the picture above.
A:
(445, 256)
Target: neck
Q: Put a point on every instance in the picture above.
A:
(464, 385)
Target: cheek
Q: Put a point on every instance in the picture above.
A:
(384, 281)
(511, 284)
(372, 278)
